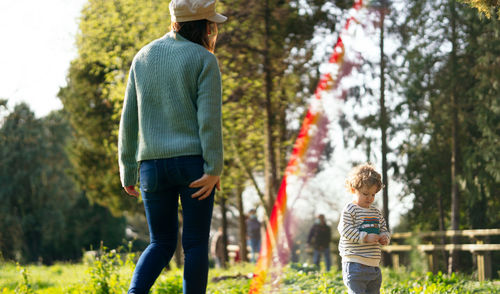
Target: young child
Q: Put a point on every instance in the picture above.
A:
(362, 230)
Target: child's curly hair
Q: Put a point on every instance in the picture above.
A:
(364, 175)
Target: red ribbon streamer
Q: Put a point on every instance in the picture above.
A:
(313, 118)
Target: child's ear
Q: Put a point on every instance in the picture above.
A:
(352, 190)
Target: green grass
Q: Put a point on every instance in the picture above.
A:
(111, 274)
(41, 279)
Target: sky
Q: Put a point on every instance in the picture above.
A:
(37, 46)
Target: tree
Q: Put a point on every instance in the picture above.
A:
(371, 128)
(110, 34)
(384, 120)
(481, 165)
(41, 206)
(264, 55)
(266, 63)
(450, 110)
(486, 7)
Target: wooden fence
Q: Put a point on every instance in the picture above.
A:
(433, 244)
(430, 244)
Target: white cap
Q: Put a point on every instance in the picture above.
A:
(190, 10)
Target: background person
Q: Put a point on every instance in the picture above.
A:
(253, 234)
(319, 239)
(217, 248)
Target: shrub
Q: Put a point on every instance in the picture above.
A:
(106, 271)
(25, 286)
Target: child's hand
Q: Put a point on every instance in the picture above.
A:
(372, 238)
(383, 240)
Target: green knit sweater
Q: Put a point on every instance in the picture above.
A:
(172, 106)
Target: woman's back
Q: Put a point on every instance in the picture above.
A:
(177, 87)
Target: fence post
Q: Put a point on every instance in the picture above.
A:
(431, 258)
(431, 261)
(487, 261)
(395, 260)
(480, 266)
(395, 257)
(483, 263)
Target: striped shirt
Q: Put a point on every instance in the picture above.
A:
(355, 223)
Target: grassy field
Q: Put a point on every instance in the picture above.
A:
(111, 274)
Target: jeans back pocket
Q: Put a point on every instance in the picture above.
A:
(149, 175)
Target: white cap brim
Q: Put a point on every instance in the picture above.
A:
(217, 18)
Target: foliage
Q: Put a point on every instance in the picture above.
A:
(169, 284)
(486, 7)
(110, 33)
(296, 278)
(303, 279)
(24, 287)
(427, 84)
(265, 58)
(434, 283)
(253, 57)
(105, 274)
(44, 217)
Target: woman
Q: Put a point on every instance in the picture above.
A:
(171, 127)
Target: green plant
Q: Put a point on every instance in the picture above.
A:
(169, 284)
(105, 272)
(111, 272)
(25, 286)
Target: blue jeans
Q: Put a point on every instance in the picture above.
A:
(162, 182)
(326, 254)
(360, 278)
(255, 247)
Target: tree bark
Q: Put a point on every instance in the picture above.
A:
(455, 197)
(383, 129)
(383, 121)
(178, 256)
(224, 230)
(442, 227)
(282, 137)
(242, 222)
(269, 154)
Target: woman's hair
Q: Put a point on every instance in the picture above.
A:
(196, 32)
(364, 175)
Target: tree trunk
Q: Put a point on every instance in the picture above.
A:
(383, 121)
(243, 165)
(242, 222)
(224, 230)
(442, 227)
(270, 156)
(280, 144)
(178, 256)
(455, 197)
(383, 129)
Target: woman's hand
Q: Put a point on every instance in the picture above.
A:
(131, 191)
(206, 184)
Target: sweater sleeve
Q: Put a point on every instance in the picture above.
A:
(383, 226)
(128, 135)
(347, 229)
(209, 114)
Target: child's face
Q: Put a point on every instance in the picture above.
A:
(364, 196)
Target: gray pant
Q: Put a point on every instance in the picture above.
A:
(360, 278)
